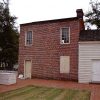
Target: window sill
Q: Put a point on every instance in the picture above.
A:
(28, 45)
(64, 43)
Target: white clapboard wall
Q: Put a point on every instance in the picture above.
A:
(88, 51)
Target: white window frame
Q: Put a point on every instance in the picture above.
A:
(61, 35)
(26, 38)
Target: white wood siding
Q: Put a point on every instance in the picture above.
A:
(88, 51)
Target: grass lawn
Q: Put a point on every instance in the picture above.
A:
(44, 93)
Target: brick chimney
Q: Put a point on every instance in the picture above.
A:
(80, 13)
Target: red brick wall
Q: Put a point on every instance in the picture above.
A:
(46, 49)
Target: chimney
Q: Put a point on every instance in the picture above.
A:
(80, 13)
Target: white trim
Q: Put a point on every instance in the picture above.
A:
(25, 38)
(91, 42)
(61, 35)
(24, 67)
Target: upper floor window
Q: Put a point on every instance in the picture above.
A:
(65, 35)
(29, 38)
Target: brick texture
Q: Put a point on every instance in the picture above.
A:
(46, 49)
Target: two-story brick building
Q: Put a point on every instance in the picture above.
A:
(49, 49)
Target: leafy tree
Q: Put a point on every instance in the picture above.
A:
(8, 38)
(93, 16)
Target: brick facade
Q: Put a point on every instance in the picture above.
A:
(46, 49)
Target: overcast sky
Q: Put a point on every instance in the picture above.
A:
(37, 10)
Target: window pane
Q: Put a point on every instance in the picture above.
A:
(29, 38)
(65, 35)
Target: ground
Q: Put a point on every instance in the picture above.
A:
(94, 88)
(32, 92)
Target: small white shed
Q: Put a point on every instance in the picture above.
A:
(89, 57)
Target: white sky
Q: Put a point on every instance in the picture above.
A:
(37, 10)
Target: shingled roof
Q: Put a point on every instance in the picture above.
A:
(89, 35)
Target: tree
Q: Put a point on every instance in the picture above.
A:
(93, 16)
(8, 38)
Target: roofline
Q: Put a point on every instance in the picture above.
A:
(49, 21)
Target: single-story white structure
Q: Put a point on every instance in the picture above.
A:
(89, 56)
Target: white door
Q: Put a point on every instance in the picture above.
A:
(96, 71)
(27, 69)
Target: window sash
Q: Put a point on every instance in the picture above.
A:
(29, 38)
(65, 35)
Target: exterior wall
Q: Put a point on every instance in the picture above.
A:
(46, 49)
(88, 51)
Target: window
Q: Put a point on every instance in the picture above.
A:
(64, 64)
(29, 38)
(64, 35)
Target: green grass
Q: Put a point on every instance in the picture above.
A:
(44, 93)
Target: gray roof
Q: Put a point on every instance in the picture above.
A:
(89, 35)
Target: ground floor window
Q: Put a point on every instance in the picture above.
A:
(64, 64)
